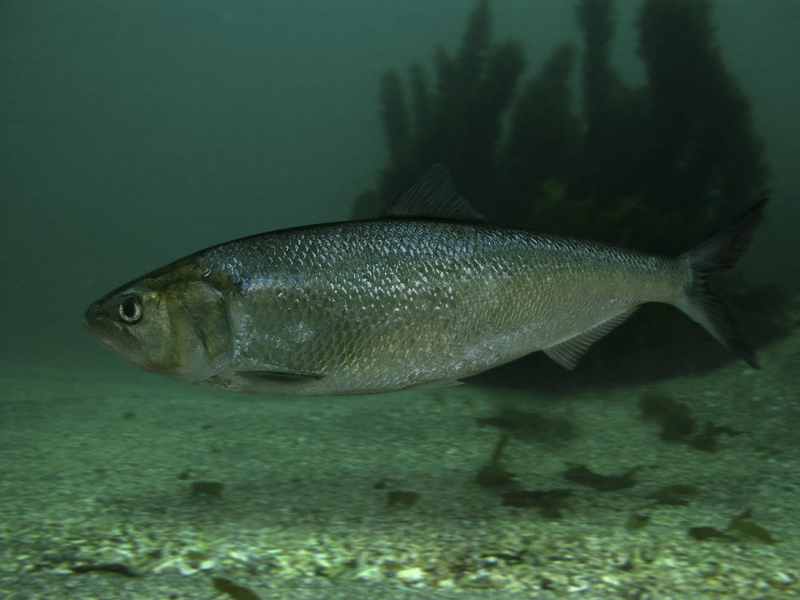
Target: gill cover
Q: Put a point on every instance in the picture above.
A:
(200, 335)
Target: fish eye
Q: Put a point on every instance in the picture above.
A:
(130, 310)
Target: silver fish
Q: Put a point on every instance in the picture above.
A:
(421, 297)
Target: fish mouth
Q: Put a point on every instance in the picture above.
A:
(92, 331)
(100, 328)
(98, 333)
(92, 322)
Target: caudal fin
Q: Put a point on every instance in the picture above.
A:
(719, 252)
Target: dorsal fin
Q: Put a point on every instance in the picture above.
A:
(434, 196)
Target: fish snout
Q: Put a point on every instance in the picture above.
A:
(92, 316)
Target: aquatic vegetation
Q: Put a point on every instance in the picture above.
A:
(708, 155)
(675, 418)
(578, 174)
(740, 528)
(706, 440)
(602, 483)
(678, 494)
(212, 489)
(633, 167)
(493, 474)
(401, 498)
(705, 533)
(530, 426)
(234, 590)
(678, 424)
(117, 568)
(459, 122)
(549, 502)
(636, 521)
(674, 495)
(542, 150)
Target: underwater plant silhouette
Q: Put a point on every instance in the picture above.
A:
(657, 166)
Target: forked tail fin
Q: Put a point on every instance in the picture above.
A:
(719, 252)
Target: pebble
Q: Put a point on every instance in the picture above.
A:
(412, 575)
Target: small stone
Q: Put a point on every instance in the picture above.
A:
(411, 575)
(611, 580)
(782, 580)
(370, 574)
(578, 585)
(238, 556)
(174, 566)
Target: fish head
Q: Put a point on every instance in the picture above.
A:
(165, 324)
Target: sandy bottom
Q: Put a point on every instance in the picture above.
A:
(98, 468)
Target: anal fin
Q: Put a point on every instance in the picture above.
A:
(569, 352)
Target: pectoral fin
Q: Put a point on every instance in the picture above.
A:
(281, 376)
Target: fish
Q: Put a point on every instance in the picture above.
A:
(424, 296)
